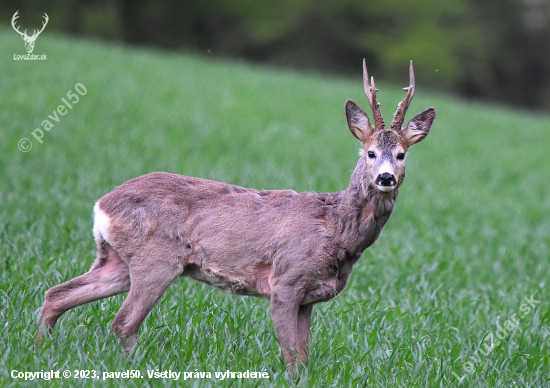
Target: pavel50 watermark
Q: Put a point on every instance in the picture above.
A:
(25, 144)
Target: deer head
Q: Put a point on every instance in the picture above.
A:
(29, 40)
(385, 149)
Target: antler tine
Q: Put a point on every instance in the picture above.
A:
(370, 92)
(43, 25)
(366, 83)
(399, 115)
(15, 16)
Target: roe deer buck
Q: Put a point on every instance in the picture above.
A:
(294, 249)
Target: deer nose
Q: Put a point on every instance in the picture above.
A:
(386, 179)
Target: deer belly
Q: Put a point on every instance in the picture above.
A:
(230, 284)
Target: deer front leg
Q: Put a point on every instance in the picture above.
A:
(304, 331)
(285, 310)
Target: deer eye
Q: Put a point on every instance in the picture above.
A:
(371, 154)
(401, 156)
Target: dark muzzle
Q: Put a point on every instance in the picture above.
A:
(386, 179)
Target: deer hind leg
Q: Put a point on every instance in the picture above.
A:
(108, 276)
(150, 279)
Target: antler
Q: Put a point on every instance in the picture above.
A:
(399, 115)
(43, 26)
(370, 92)
(24, 34)
(15, 16)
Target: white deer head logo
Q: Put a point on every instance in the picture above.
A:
(29, 40)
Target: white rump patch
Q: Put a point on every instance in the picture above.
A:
(102, 222)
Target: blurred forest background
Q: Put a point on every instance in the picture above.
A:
(497, 50)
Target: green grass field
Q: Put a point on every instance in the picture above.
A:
(468, 241)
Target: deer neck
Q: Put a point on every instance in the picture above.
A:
(361, 213)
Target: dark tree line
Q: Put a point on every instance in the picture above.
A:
(486, 49)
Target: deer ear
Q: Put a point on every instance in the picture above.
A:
(358, 122)
(419, 127)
